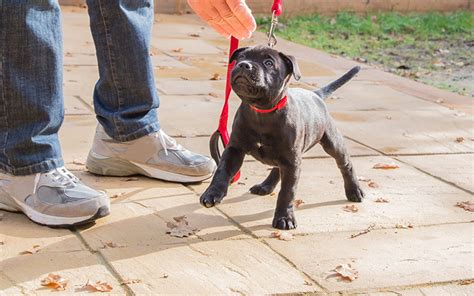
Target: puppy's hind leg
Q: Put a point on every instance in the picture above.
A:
(267, 186)
(333, 144)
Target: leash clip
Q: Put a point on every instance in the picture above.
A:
(272, 41)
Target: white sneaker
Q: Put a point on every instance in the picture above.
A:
(155, 155)
(56, 198)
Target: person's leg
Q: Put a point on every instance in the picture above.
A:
(125, 97)
(31, 101)
(129, 140)
(32, 177)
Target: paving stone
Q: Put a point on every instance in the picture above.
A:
(74, 105)
(190, 116)
(457, 169)
(220, 267)
(385, 258)
(76, 136)
(321, 189)
(449, 289)
(167, 200)
(60, 252)
(408, 132)
(190, 46)
(193, 87)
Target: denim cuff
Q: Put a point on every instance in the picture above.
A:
(148, 129)
(42, 167)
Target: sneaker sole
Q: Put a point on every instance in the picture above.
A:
(48, 220)
(109, 166)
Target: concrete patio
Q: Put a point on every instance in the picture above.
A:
(385, 119)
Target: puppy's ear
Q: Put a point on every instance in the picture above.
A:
(235, 55)
(291, 62)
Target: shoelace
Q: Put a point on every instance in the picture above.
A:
(63, 177)
(167, 142)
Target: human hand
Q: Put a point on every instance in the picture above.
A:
(227, 17)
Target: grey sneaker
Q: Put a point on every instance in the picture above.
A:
(155, 155)
(56, 198)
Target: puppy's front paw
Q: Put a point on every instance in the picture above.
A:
(261, 189)
(285, 222)
(355, 194)
(212, 197)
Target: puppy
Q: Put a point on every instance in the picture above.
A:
(276, 125)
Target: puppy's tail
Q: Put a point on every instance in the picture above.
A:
(331, 87)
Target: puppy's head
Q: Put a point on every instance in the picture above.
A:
(261, 74)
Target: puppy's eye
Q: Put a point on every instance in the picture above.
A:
(268, 63)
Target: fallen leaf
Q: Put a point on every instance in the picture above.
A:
(439, 101)
(307, 283)
(364, 179)
(386, 166)
(128, 282)
(195, 35)
(346, 272)
(466, 282)
(215, 76)
(282, 235)
(55, 281)
(117, 195)
(298, 202)
(382, 200)
(401, 226)
(99, 286)
(2, 243)
(350, 208)
(165, 276)
(272, 194)
(33, 250)
(178, 49)
(372, 184)
(369, 229)
(466, 205)
(213, 95)
(460, 139)
(78, 162)
(181, 228)
(184, 78)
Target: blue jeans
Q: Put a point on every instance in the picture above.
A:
(31, 94)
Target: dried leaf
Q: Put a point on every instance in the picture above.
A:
(195, 35)
(213, 95)
(401, 226)
(272, 194)
(184, 78)
(165, 276)
(350, 208)
(181, 228)
(386, 166)
(215, 76)
(346, 272)
(307, 283)
(364, 179)
(466, 205)
(382, 200)
(97, 287)
(282, 235)
(117, 195)
(178, 49)
(33, 250)
(372, 184)
(298, 202)
(466, 282)
(55, 281)
(460, 139)
(369, 229)
(131, 281)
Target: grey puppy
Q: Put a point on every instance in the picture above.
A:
(277, 134)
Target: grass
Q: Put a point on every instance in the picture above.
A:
(398, 42)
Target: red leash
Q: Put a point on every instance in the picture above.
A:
(221, 132)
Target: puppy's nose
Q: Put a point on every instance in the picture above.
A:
(245, 65)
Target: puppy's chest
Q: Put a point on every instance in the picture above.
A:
(266, 149)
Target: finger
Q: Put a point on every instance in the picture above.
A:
(201, 12)
(238, 29)
(243, 13)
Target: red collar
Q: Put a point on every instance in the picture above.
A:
(278, 106)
